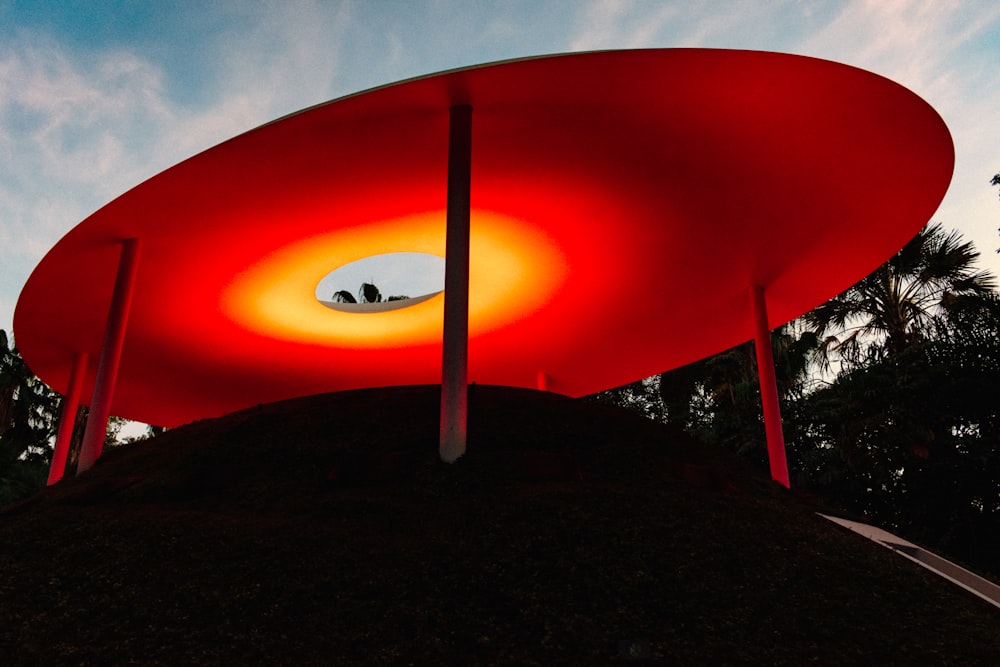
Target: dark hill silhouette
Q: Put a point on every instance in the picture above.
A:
(325, 531)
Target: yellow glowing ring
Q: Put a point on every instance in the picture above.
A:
(517, 269)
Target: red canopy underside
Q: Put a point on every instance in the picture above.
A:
(623, 205)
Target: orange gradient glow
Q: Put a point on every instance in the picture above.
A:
(517, 271)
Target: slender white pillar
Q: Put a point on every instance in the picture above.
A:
(111, 352)
(768, 387)
(542, 381)
(455, 353)
(67, 418)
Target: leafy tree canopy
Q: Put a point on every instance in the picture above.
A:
(28, 413)
(905, 429)
(891, 308)
(368, 293)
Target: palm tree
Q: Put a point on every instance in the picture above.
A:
(368, 293)
(343, 296)
(892, 308)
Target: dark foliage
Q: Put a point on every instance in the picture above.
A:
(891, 308)
(913, 441)
(28, 411)
(343, 296)
(368, 293)
(907, 432)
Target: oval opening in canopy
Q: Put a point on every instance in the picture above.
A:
(383, 282)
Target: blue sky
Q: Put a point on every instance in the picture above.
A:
(96, 97)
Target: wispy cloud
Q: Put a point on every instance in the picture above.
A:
(71, 123)
(616, 24)
(78, 129)
(282, 58)
(913, 41)
(608, 24)
(74, 135)
(944, 50)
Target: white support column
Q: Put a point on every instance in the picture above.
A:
(111, 352)
(542, 381)
(455, 353)
(768, 387)
(67, 418)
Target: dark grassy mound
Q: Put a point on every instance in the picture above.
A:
(325, 531)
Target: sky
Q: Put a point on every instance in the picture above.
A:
(98, 96)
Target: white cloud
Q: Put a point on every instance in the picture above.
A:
(942, 50)
(75, 134)
(78, 129)
(72, 125)
(287, 58)
(905, 39)
(616, 24)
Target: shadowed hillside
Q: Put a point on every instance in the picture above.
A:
(325, 531)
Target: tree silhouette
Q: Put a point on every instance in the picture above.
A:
(912, 440)
(891, 308)
(368, 293)
(28, 414)
(343, 296)
(907, 433)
